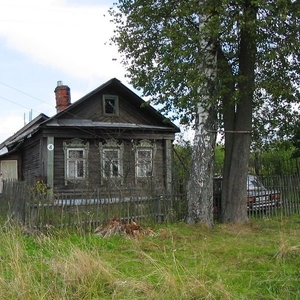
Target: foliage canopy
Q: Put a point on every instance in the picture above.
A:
(159, 41)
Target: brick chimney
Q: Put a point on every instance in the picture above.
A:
(62, 96)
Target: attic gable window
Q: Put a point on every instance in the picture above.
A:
(76, 154)
(110, 105)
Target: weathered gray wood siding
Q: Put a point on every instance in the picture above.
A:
(31, 167)
(93, 180)
(92, 109)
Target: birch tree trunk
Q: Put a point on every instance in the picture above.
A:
(200, 185)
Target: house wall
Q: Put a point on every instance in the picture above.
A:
(42, 144)
(31, 166)
(94, 179)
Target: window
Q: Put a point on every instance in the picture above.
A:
(111, 163)
(111, 154)
(76, 163)
(110, 105)
(76, 157)
(144, 163)
(144, 154)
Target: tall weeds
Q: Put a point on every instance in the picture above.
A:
(256, 261)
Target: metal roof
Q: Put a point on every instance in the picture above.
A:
(89, 123)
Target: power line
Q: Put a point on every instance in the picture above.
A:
(23, 94)
(18, 104)
(73, 115)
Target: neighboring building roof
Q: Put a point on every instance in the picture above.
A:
(13, 142)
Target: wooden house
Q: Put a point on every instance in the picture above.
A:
(110, 138)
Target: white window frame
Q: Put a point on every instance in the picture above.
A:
(76, 145)
(148, 172)
(113, 163)
(75, 171)
(114, 98)
(144, 166)
(113, 146)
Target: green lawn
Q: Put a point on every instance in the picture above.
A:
(260, 260)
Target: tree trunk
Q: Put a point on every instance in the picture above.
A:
(238, 125)
(200, 186)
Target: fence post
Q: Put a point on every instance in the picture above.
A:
(158, 199)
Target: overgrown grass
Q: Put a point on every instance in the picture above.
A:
(260, 260)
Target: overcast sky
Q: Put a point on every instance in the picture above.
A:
(45, 41)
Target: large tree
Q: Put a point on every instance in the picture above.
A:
(199, 59)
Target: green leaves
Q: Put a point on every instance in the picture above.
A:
(161, 43)
(159, 40)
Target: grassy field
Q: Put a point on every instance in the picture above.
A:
(260, 260)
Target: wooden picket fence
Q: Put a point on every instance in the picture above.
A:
(288, 202)
(89, 210)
